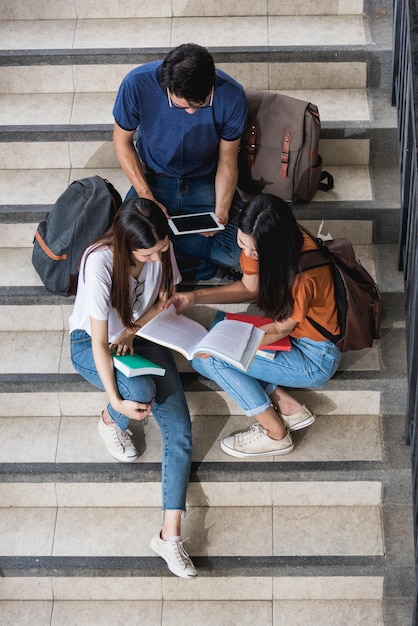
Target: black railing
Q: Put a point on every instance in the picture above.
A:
(405, 97)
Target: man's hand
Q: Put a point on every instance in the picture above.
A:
(222, 215)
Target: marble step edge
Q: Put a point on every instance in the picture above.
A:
(374, 473)
(277, 566)
(363, 129)
(378, 60)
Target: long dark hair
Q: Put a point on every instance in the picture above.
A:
(269, 221)
(138, 224)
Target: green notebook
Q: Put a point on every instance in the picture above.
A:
(136, 365)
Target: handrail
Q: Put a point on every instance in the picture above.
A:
(405, 97)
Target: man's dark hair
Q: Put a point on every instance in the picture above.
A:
(189, 72)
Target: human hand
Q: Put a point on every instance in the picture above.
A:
(222, 215)
(123, 343)
(163, 209)
(182, 301)
(135, 410)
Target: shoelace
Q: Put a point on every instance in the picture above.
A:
(122, 437)
(181, 553)
(252, 434)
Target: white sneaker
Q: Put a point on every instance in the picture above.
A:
(254, 441)
(302, 419)
(176, 557)
(118, 442)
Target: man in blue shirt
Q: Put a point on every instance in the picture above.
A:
(187, 119)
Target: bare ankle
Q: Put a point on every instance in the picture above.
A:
(106, 418)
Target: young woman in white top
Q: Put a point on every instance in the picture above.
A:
(125, 278)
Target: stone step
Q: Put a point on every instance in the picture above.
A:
(347, 429)
(247, 601)
(77, 108)
(310, 531)
(55, 155)
(151, 32)
(352, 183)
(62, 9)
(106, 78)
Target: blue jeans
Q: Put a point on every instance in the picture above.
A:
(198, 257)
(308, 364)
(169, 409)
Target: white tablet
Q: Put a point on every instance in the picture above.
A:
(194, 223)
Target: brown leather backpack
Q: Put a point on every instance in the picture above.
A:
(279, 148)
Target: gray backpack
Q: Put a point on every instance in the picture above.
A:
(279, 148)
(81, 214)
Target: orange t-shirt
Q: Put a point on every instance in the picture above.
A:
(313, 296)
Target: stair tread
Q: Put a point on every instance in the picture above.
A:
(333, 438)
(255, 611)
(34, 109)
(352, 183)
(120, 494)
(311, 588)
(331, 531)
(332, 545)
(62, 9)
(328, 30)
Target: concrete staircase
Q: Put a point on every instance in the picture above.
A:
(321, 537)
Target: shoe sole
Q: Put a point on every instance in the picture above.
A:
(179, 573)
(304, 424)
(242, 455)
(122, 459)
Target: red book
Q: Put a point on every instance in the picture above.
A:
(256, 320)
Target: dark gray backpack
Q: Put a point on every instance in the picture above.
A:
(81, 214)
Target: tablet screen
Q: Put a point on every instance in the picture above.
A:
(195, 223)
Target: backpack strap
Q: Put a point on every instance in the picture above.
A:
(326, 182)
(308, 260)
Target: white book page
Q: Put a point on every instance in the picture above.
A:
(174, 331)
(227, 338)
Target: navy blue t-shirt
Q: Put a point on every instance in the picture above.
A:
(170, 140)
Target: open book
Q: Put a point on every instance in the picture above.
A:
(279, 344)
(136, 365)
(230, 340)
(267, 351)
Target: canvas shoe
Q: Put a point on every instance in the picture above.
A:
(254, 441)
(118, 442)
(302, 419)
(174, 554)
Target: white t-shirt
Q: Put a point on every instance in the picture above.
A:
(94, 287)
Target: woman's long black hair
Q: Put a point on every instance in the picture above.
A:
(138, 224)
(269, 221)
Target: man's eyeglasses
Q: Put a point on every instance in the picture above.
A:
(206, 104)
(137, 293)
